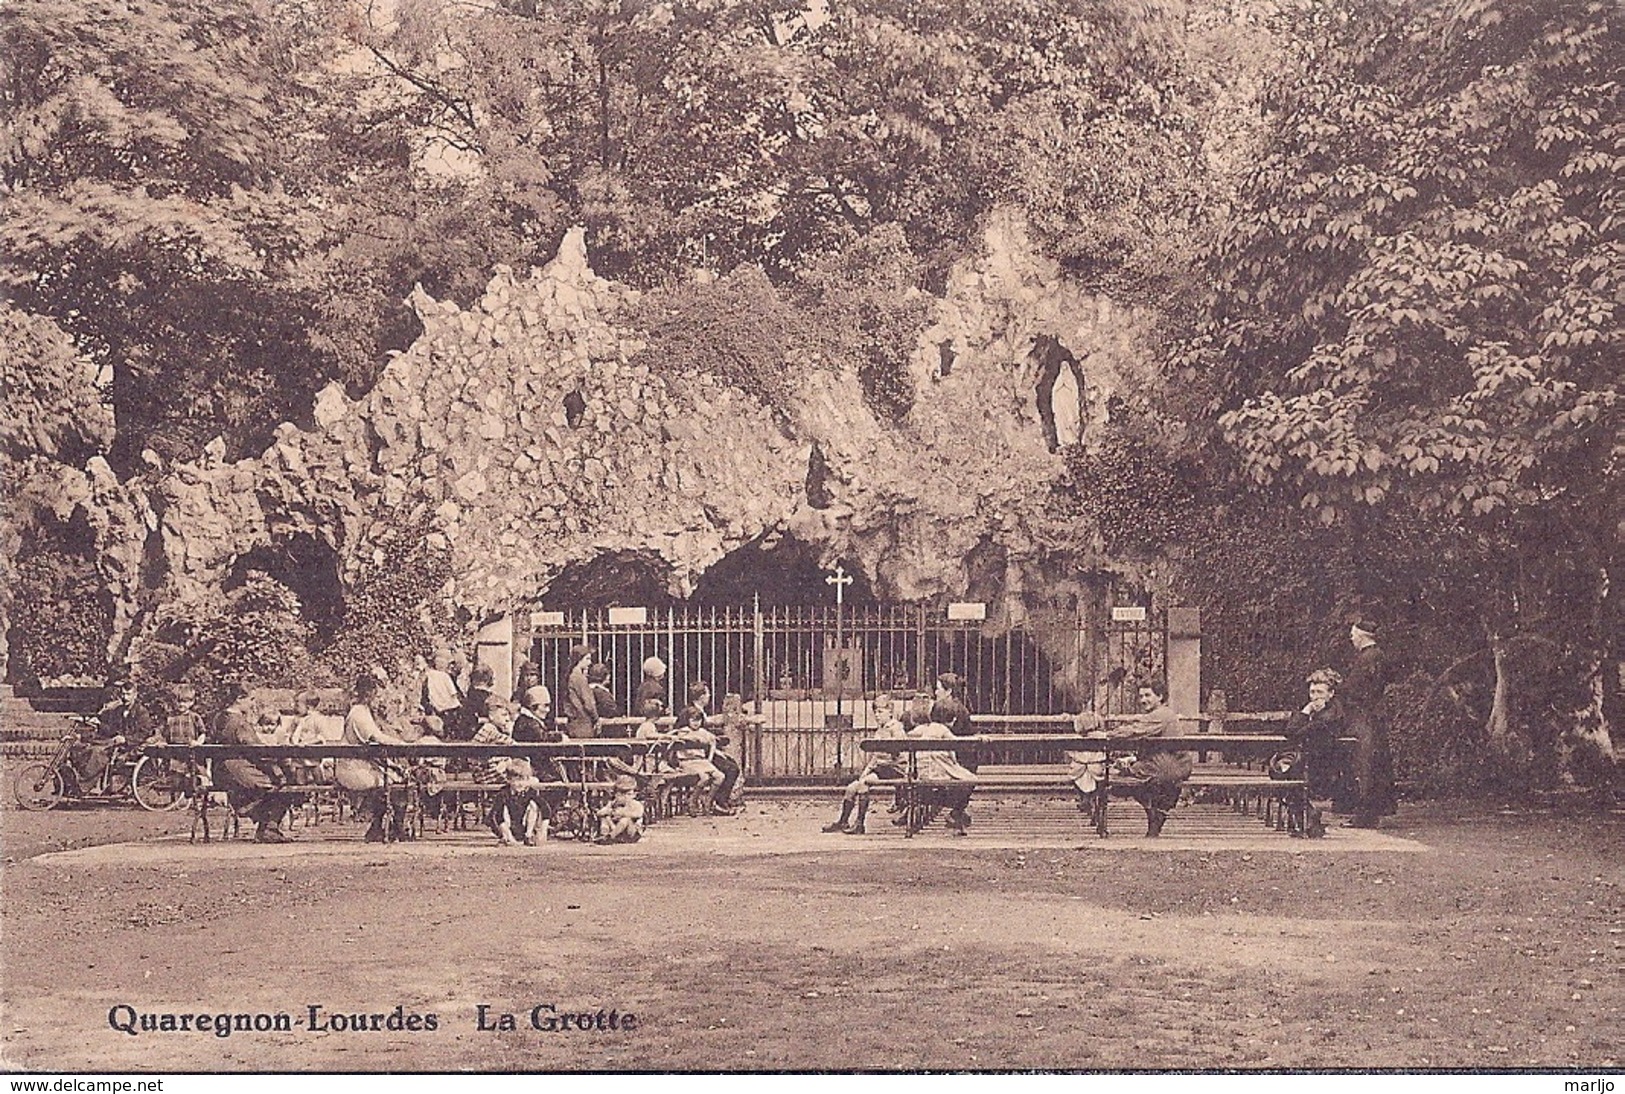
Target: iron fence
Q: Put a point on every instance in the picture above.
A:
(812, 672)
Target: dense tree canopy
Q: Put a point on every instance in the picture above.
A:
(1417, 310)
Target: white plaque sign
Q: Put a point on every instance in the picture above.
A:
(967, 609)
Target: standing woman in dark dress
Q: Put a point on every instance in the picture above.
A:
(1367, 722)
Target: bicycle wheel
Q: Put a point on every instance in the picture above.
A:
(156, 785)
(568, 822)
(918, 814)
(37, 787)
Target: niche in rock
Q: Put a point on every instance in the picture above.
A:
(780, 570)
(1060, 392)
(612, 579)
(308, 567)
(818, 495)
(575, 405)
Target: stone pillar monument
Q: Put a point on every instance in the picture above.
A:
(1185, 661)
(493, 648)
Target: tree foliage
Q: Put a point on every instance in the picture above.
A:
(143, 214)
(1421, 295)
(1416, 310)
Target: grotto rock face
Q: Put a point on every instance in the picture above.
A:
(522, 435)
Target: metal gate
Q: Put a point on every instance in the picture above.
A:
(812, 672)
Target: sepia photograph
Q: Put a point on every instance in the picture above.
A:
(813, 537)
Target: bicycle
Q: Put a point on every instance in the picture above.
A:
(155, 784)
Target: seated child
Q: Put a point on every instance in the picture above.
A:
(313, 727)
(621, 819)
(881, 766)
(1088, 768)
(691, 753)
(429, 772)
(944, 767)
(519, 813)
(495, 729)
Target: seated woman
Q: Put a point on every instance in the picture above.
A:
(1315, 730)
(367, 776)
(534, 720)
(1158, 776)
(254, 788)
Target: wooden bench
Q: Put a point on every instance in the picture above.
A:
(590, 789)
(1280, 803)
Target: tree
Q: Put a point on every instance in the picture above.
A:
(144, 217)
(1417, 309)
(713, 135)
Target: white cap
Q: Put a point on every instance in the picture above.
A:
(654, 666)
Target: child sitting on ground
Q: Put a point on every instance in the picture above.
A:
(518, 815)
(621, 820)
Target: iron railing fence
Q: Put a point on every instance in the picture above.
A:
(813, 672)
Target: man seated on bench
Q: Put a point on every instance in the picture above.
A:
(1156, 778)
(882, 766)
(1315, 730)
(254, 788)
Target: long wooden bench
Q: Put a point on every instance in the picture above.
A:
(195, 759)
(1280, 803)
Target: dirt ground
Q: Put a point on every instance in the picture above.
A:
(1457, 938)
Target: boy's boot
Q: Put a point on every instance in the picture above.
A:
(863, 811)
(846, 811)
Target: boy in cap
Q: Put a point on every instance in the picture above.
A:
(518, 813)
(621, 819)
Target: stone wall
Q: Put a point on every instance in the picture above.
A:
(525, 436)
